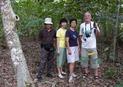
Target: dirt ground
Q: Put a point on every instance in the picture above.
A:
(31, 50)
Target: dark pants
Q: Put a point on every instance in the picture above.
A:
(46, 59)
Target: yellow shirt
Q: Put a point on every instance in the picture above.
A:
(61, 37)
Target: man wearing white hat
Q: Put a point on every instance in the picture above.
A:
(47, 38)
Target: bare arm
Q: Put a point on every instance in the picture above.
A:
(80, 36)
(67, 42)
(97, 30)
(57, 45)
(80, 40)
(79, 44)
(68, 46)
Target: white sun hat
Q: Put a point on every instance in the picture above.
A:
(48, 21)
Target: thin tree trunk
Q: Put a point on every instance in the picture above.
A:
(116, 30)
(9, 18)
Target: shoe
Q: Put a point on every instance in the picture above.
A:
(49, 75)
(85, 75)
(60, 76)
(96, 77)
(64, 73)
(74, 75)
(70, 79)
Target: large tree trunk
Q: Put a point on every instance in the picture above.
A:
(9, 18)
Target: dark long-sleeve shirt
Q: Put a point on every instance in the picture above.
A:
(47, 37)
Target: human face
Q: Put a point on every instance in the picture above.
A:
(87, 17)
(48, 26)
(63, 24)
(73, 24)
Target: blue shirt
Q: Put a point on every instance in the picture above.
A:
(73, 36)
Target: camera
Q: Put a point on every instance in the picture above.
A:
(88, 33)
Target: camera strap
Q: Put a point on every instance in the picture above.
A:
(86, 27)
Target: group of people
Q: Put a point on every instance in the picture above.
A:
(70, 46)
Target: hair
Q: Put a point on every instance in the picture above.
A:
(87, 12)
(73, 20)
(63, 20)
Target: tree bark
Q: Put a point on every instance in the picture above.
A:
(9, 19)
(116, 31)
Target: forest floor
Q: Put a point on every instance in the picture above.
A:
(111, 73)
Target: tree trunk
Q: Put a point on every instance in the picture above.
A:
(9, 18)
(116, 31)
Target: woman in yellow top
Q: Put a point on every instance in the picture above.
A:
(61, 47)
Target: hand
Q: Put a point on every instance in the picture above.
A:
(69, 52)
(79, 51)
(58, 51)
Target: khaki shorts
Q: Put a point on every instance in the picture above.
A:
(89, 55)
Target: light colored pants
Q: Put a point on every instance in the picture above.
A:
(62, 57)
(89, 55)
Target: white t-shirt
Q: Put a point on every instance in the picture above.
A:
(88, 35)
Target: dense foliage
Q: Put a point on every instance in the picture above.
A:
(33, 12)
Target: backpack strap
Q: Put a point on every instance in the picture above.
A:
(95, 30)
(94, 25)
